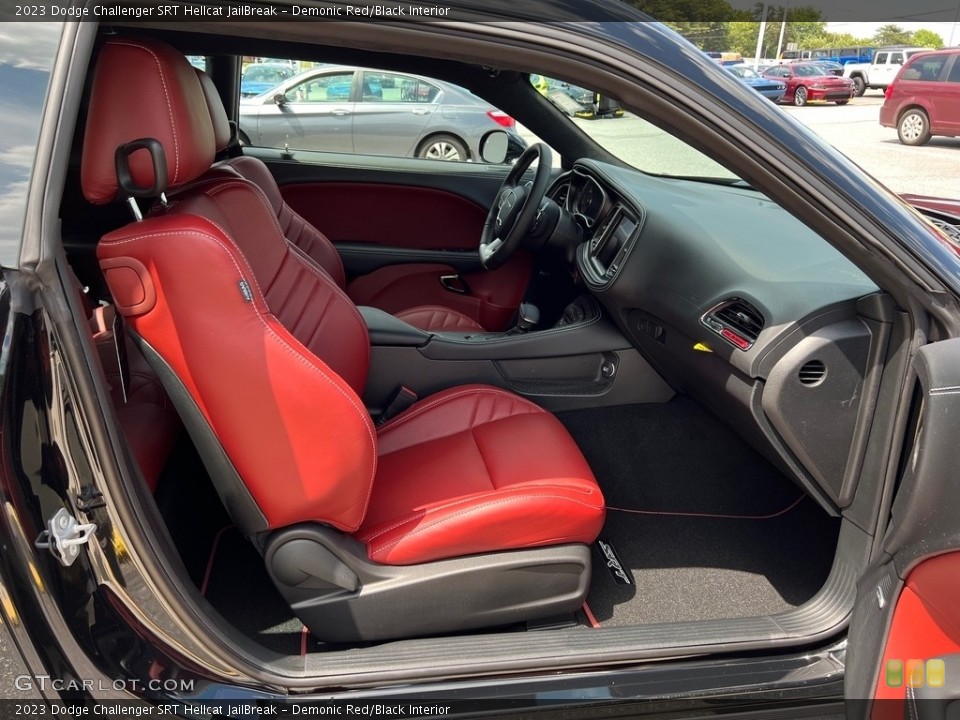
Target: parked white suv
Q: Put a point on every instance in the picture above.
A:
(879, 73)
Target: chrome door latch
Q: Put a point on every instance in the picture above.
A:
(64, 536)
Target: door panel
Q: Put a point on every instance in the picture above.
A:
(948, 103)
(401, 207)
(491, 299)
(908, 603)
(394, 215)
(926, 625)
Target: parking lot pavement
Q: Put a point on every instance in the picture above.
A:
(853, 129)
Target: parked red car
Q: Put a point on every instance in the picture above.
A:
(810, 81)
(924, 99)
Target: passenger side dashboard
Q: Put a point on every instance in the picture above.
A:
(741, 305)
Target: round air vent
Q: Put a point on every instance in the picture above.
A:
(813, 372)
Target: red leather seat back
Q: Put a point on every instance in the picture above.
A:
(297, 230)
(267, 346)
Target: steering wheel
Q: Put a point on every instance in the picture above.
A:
(513, 213)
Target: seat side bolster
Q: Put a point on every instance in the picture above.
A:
(297, 434)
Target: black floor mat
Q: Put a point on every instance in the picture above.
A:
(742, 540)
(709, 568)
(676, 457)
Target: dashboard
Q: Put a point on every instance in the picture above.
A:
(737, 302)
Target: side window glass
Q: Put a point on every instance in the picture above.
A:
(928, 69)
(896, 58)
(264, 75)
(306, 106)
(880, 59)
(389, 87)
(321, 88)
(954, 76)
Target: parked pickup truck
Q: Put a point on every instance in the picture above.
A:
(879, 73)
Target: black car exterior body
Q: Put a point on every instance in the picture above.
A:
(111, 626)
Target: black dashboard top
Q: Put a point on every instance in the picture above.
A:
(687, 248)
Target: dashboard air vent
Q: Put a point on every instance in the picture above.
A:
(736, 321)
(560, 192)
(812, 372)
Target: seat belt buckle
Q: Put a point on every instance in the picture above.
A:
(403, 398)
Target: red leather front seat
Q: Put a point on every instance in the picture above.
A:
(473, 493)
(308, 238)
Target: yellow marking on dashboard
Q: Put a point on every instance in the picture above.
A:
(700, 347)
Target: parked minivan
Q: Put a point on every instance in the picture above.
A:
(924, 99)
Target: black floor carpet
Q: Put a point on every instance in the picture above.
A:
(221, 562)
(673, 458)
(742, 543)
(238, 586)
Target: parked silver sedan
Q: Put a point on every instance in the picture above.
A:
(358, 110)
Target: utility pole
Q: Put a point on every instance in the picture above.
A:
(783, 30)
(763, 28)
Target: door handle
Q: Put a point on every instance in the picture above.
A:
(455, 283)
(340, 112)
(419, 111)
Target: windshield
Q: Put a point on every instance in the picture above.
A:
(808, 70)
(267, 74)
(627, 136)
(743, 71)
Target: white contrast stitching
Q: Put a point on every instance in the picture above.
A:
(173, 126)
(471, 390)
(423, 528)
(290, 349)
(453, 503)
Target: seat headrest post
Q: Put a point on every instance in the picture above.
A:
(134, 209)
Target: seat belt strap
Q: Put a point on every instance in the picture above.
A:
(403, 398)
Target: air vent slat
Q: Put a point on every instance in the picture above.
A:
(812, 372)
(738, 316)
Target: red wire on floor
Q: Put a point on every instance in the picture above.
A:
(592, 620)
(213, 552)
(712, 515)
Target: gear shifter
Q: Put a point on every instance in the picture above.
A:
(528, 317)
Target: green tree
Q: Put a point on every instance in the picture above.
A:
(927, 38)
(803, 28)
(892, 35)
(705, 35)
(679, 12)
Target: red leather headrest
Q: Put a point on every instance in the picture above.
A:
(144, 89)
(218, 116)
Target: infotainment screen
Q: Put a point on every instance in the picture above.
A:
(616, 239)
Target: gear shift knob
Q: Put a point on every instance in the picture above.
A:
(527, 317)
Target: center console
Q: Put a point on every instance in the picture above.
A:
(582, 361)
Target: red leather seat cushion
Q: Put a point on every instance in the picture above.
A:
(476, 469)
